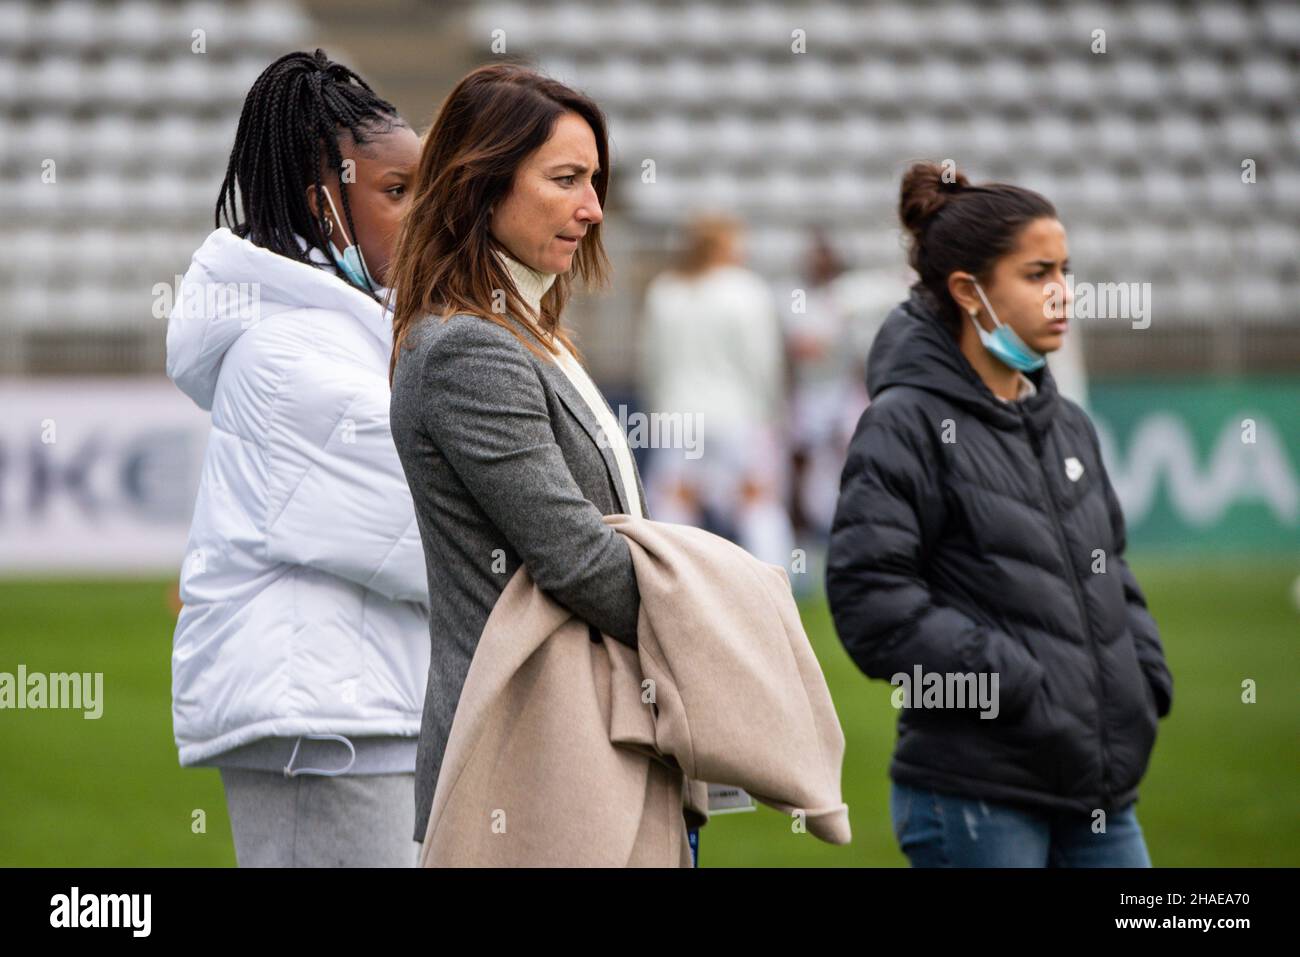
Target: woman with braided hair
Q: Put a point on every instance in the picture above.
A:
(300, 653)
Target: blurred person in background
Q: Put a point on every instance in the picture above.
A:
(977, 533)
(816, 361)
(827, 341)
(301, 648)
(711, 353)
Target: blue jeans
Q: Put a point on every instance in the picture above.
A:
(693, 835)
(944, 830)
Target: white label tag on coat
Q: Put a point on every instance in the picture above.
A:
(725, 799)
(1073, 469)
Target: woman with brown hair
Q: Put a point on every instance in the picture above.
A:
(978, 538)
(511, 452)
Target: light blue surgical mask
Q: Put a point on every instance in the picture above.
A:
(351, 264)
(1003, 343)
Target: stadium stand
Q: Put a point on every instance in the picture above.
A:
(117, 120)
(1141, 147)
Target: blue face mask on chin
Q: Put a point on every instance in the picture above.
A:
(350, 263)
(1003, 343)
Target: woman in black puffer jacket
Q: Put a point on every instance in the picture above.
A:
(977, 534)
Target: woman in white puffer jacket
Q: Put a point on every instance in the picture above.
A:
(301, 654)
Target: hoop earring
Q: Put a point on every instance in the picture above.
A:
(329, 227)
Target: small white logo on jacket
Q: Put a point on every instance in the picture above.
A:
(1073, 469)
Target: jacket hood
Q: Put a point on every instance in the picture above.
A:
(915, 348)
(231, 285)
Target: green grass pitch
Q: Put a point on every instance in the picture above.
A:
(1221, 789)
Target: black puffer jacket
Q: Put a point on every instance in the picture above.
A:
(965, 540)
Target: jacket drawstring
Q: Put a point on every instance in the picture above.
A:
(320, 737)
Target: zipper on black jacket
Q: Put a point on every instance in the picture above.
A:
(1037, 446)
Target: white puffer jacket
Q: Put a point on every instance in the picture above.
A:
(306, 599)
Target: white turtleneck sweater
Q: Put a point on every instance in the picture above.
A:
(532, 285)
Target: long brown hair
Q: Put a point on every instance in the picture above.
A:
(496, 116)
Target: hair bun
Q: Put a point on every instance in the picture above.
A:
(926, 188)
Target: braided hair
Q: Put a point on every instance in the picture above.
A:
(293, 115)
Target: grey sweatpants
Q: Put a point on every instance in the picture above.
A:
(311, 820)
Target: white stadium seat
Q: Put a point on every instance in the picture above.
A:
(1140, 147)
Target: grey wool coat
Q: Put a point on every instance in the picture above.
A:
(507, 466)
